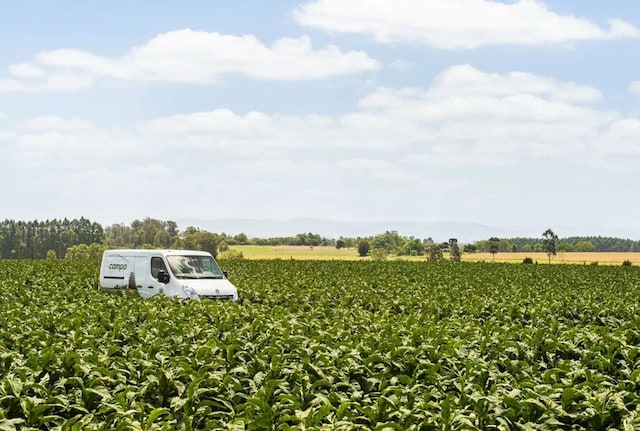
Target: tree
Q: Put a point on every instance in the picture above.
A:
(565, 247)
(470, 248)
(147, 233)
(454, 250)
(549, 240)
(162, 239)
(349, 242)
(363, 247)
(241, 238)
(494, 246)
(119, 235)
(587, 246)
(200, 240)
(83, 251)
(434, 252)
(413, 247)
(340, 244)
(34, 239)
(390, 241)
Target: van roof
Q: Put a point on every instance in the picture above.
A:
(163, 252)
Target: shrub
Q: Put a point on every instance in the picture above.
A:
(527, 260)
(434, 253)
(379, 254)
(363, 247)
(230, 255)
(627, 263)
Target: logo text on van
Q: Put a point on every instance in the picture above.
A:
(118, 266)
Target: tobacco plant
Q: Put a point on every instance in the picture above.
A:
(325, 345)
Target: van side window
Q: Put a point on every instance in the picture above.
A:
(157, 264)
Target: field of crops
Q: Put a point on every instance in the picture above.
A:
(326, 345)
(299, 252)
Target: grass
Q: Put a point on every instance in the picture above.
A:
(258, 252)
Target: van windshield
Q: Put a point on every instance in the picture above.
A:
(193, 267)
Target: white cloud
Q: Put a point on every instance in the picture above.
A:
(459, 24)
(481, 137)
(10, 85)
(634, 87)
(401, 65)
(58, 142)
(58, 124)
(52, 82)
(188, 56)
(466, 119)
(467, 80)
(26, 70)
(621, 138)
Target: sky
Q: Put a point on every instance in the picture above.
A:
(504, 113)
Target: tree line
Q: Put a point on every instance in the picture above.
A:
(568, 244)
(39, 239)
(82, 238)
(78, 238)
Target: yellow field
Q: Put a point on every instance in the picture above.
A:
(295, 252)
(331, 253)
(568, 257)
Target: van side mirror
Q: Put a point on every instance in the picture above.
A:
(163, 277)
(226, 274)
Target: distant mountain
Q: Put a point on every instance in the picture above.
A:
(439, 231)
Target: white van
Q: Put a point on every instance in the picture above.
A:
(180, 273)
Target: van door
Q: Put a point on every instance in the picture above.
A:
(153, 285)
(141, 264)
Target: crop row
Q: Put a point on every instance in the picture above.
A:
(325, 345)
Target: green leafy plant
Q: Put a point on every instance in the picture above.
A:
(325, 345)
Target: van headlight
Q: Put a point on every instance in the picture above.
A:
(191, 294)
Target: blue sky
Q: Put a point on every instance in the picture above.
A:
(512, 113)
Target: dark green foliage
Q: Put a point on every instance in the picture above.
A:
(325, 345)
(412, 247)
(626, 263)
(470, 248)
(34, 239)
(390, 241)
(527, 260)
(494, 246)
(146, 233)
(434, 252)
(549, 241)
(199, 240)
(363, 247)
(574, 243)
(454, 250)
